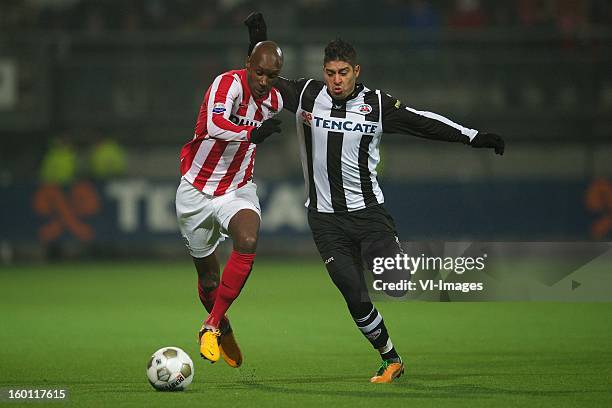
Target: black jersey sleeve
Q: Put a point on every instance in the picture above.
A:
(398, 118)
(290, 90)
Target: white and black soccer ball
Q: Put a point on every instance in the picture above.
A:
(170, 369)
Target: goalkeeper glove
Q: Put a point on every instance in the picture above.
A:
(257, 29)
(490, 140)
(268, 126)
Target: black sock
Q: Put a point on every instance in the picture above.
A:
(390, 355)
(373, 328)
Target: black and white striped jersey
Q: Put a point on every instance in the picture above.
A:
(339, 140)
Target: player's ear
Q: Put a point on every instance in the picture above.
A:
(247, 61)
(357, 70)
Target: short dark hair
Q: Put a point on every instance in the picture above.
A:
(340, 50)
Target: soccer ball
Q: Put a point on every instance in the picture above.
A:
(170, 369)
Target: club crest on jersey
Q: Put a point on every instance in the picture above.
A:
(218, 107)
(365, 109)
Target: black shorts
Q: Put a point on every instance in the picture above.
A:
(345, 239)
(350, 242)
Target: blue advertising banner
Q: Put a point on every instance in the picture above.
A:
(134, 210)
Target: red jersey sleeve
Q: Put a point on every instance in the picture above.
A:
(225, 91)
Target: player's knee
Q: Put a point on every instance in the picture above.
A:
(245, 243)
(376, 252)
(386, 246)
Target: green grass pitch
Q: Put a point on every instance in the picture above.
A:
(90, 328)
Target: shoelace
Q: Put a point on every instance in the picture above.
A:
(216, 332)
(383, 366)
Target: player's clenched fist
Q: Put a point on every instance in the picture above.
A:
(257, 27)
(267, 127)
(490, 140)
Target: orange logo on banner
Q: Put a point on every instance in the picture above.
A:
(599, 199)
(64, 211)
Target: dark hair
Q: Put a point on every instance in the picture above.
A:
(340, 50)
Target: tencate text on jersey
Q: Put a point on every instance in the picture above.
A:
(346, 125)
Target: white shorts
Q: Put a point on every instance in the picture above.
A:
(204, 219)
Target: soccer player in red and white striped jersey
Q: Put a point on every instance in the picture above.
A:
(220, 157)
(217, 196)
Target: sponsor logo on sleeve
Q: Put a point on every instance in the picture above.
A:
(218, 107)
(306, 117)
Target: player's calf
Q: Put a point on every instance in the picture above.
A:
(235, 274)
(208, 279)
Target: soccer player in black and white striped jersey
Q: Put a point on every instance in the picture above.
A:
(339, 124)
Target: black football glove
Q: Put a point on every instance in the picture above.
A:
(490, 140)
(264, 130)
(257, 29)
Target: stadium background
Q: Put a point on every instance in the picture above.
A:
(96, 98)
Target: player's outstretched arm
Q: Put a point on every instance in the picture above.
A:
(399, 118)
(290, 89)
(265, 130)
(489, 140)
(258, 31)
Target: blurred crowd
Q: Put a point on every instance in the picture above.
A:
(63, 161)
(99, 16)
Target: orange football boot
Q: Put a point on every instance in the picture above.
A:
(388, 371)
(229, 347)
(209, 344)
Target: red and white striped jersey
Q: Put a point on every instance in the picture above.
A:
(220, 157)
